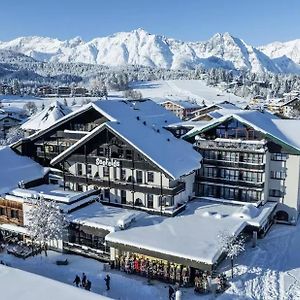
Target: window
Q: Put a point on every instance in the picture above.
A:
(278, 174)
(89, 169)
(275, 193)
(251, 176)
(128, 154)
(250, 196)
(210, 172)
(123, 197)
(105, 171)
(139, 176)
(100, 151)
(14, 214)
(123, 174)
(150, 177)
(279, 156)
(2, 211)
(79, 169)
(115, 173)
(229, 193)
(107, 194)
(150, 200)
(229, 174)
(80, 188)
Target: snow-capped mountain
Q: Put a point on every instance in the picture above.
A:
(289, 49)
(139, 47)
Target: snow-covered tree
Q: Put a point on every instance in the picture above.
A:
(133, 95)
(231, 245)
(30, 107)
(46, 222)
(13, 135)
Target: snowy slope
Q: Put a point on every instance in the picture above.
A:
(185, 89)
(139, 47)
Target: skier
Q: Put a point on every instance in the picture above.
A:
(83, 280)
(88, 285)
(171, 293)
(107, 282)
(77, 280)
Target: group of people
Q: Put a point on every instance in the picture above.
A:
(203, 282)
(85, 283)
(154, 269)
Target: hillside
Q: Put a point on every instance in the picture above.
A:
(194, 90)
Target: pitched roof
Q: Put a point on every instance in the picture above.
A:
(141, 124)
(183, 104)
(47, 117)
(282, 130)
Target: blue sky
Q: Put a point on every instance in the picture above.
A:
(256, 21)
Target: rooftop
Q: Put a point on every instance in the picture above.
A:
(16, 168)
(141, 124)
(193, 234)
(108, 218)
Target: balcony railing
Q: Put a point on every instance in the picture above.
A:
(236, 145)
(235, 164)
(124, 185)
(232, 182)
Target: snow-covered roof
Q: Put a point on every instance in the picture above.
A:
(34, 287)
(183, 104)
(282, 130)
(52, 192)
(194, 234)
(108, 218)
(141, 124)
(47, 117)
(16, 168)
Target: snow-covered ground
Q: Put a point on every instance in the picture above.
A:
(123, 287)
(185, 89)
(18, 101)
(269, 271)
(33, 287)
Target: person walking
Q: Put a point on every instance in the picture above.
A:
(77, 280)
(88, 285)
(107, 282)
(83, 280)
(171, 293)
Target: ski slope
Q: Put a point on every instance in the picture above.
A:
(196, 90)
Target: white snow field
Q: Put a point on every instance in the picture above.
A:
(185, 89)
(19, 285)
(271, 271)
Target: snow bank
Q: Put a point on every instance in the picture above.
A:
(19, 285)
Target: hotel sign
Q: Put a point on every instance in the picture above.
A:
(107, 162)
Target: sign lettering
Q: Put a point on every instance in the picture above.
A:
(107, 162)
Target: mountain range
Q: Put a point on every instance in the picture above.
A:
(139, 47)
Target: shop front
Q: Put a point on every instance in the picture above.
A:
(158, 266)
(154, 268)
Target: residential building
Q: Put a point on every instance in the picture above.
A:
(182, 109)
(251, 157)
(110, 145)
